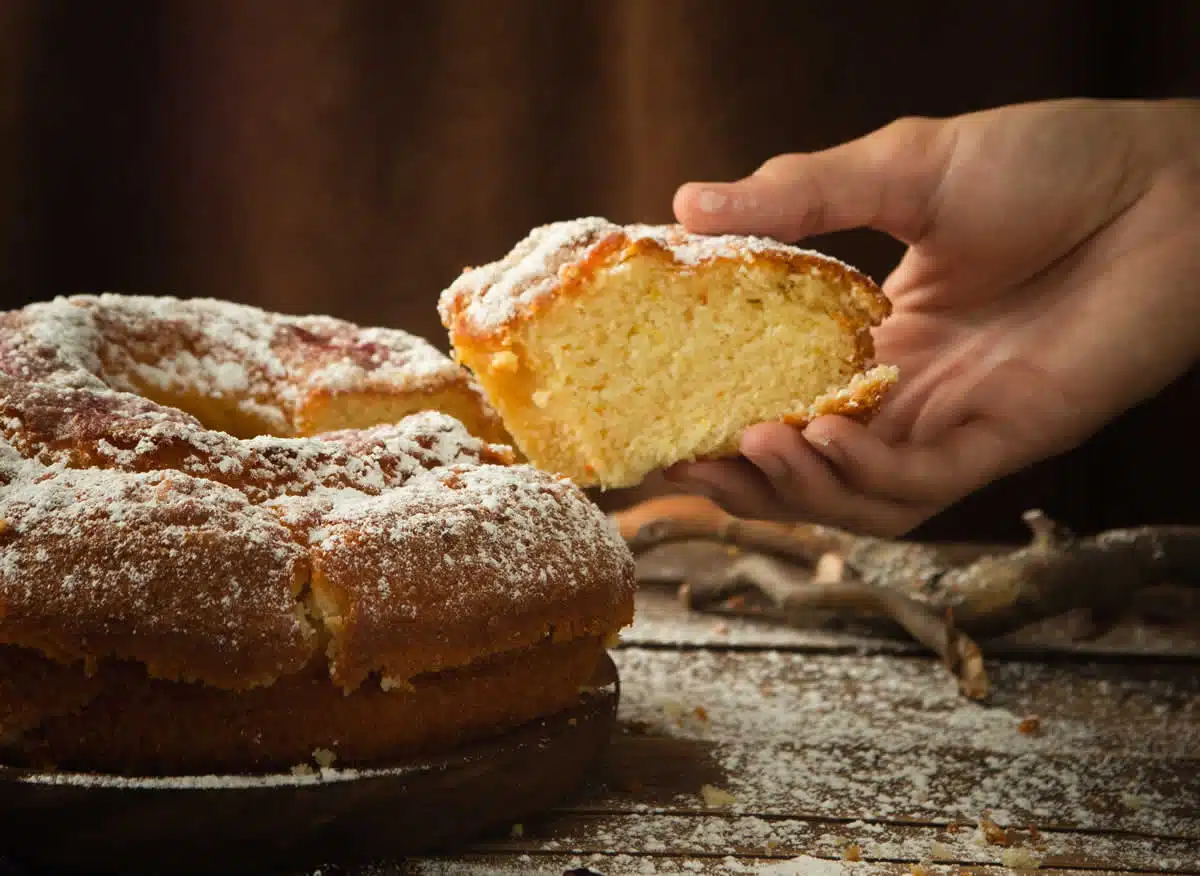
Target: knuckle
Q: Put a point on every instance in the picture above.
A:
(910, 155)
(907, 141)
(780, 166)
(910, 124)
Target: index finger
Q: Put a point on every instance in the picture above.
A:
(887, 180)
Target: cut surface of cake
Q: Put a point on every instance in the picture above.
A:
(613, 351)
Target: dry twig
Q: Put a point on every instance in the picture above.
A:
(940, 594)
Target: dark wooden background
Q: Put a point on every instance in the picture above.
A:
(350, 156)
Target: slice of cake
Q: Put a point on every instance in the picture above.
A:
(613, 351)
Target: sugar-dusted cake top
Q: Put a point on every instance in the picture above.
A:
(487, 297)
(129, 529)
(221, 349)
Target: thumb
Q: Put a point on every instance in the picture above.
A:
(887, 180)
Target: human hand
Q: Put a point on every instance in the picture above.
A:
(1051, 281)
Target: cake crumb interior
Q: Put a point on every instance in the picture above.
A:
(704, 355)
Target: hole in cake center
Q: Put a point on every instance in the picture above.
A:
(303, 413)
(242, 418)
(318, 413)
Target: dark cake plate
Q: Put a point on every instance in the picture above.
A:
(86, 823)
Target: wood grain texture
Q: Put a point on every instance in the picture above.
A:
(701, 836)
(643, 864)
(260, 824)
(662, 622)
(834, 746)
(878, 737)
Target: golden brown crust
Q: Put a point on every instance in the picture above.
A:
(131, 530)
(436, 574)
(121, 722)
(481, 308)
(858, 401)
(182, 574)
(33, 688)
(492, 312)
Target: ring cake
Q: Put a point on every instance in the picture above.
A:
(193, 580)
(612, 351)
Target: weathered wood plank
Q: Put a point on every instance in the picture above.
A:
(746, 836)
(654, 865)
(661, 620)
(826, 750)
(883, 738)
(945, 787)
(1145, 709)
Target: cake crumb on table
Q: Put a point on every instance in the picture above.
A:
(1030, 725)
(714, 796)
(1020, 859)
(991, 833)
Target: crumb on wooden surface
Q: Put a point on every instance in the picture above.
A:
(674, 711)
(714, 796)
(831, 568)
(1133, 801)
(941, 852)
(992, 833)
(1020, 859)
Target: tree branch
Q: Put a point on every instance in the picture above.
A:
(987, 590)
(794, 591)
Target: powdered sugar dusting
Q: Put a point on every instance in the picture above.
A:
(265, 363)
(106, 429)
(882, 738)
(520, 536)
(692, 249)
(127, 526)
(497, 292)
(450, 503)
(489, 296)
(358, 359)
(855, 765)
(153, 558)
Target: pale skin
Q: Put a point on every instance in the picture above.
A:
(1051, 281)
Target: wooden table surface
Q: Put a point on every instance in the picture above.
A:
(750, 748)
